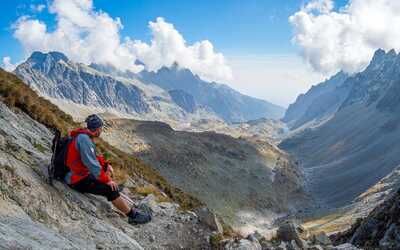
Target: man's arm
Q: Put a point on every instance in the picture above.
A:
(88, 157)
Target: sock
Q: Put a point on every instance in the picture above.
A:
(131, 213)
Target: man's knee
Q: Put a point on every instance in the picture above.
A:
(112, 195)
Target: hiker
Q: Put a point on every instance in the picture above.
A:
(91, 174)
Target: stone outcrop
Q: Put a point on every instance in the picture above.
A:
(379, 230)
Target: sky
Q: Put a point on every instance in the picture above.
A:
(268, 49)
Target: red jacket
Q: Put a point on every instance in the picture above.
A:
(78, 170)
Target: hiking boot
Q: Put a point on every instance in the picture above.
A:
(138, 217)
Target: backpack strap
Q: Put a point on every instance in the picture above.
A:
(50, 168)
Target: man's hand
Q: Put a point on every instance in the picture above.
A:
(110, 170)
(113, 185)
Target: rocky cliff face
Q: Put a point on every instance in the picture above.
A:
(379, 230)
(357, 147)
(319, 102)
(52, 74)
(183, 100)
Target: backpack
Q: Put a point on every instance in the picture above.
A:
(57, 169)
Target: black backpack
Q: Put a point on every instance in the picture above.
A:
(57, 169)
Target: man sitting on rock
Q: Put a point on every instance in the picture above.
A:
(91, 174)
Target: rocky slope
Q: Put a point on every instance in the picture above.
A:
(338, 220)
(36, 215)
(358, 145)
(248, 182)
(319, 102)
(379, 230)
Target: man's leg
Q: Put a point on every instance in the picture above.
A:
(121, 205)
(93, 186)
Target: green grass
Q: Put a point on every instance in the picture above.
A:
(40, 147)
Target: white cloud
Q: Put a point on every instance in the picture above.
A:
(168, 46)
(7, 65)
(346, 39)
(87, 35)
(37, 8)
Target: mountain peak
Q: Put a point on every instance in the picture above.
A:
(392, 52)
(381, 58)
(378, 56)
(38, 56)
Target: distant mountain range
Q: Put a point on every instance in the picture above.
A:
(227, 103)
(357, 144)
(173, 92)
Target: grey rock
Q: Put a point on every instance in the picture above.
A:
(183, 99)
(210, 219)
(315, 247)
(346, 246)
(293, 246)
(391, 239)
(242, 244)
(322, 238)
(256, 235)
(130, 183)
(288, 231)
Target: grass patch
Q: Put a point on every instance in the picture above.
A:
(215, 241)
(328, 223)
(151, 189)
(40, 147)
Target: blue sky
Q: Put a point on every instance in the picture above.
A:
(245, 32)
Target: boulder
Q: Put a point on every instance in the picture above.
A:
(210, 219)
(242, 244)
(391, 239)
(346, 246)
(315, 247)
(322, 239)
(130, 183)
(293, 246)
(289, 231)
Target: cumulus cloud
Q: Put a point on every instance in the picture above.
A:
(7, 65)
(168, 46)
(346, 39)
(90, 36)
(37, 8)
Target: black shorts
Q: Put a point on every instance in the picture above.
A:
(93, 186)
